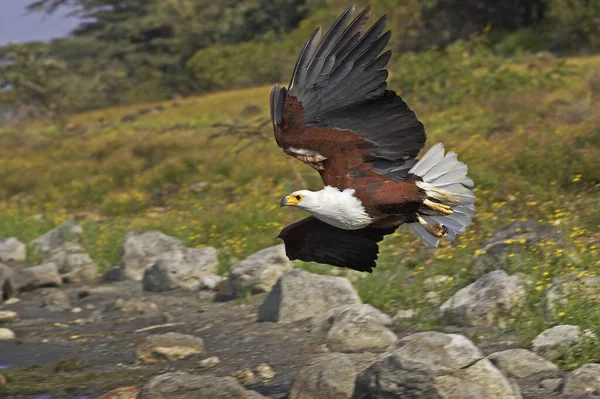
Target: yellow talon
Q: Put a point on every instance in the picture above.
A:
(442, 209)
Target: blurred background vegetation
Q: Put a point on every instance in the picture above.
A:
(137, 51)
(513, 87)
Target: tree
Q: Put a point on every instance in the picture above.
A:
(31, 79)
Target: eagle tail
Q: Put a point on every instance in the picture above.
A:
(450, 204)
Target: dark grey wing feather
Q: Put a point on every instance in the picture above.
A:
(343, 85)
(312, 240)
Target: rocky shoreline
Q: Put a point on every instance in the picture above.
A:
(163, 324)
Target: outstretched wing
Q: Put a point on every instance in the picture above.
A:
(312, 240)
(338, 115)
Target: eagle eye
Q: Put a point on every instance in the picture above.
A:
(298, 197)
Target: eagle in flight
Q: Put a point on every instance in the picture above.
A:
(338, 117)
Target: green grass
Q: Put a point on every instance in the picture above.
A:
(533, 154)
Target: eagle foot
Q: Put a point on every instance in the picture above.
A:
(437, 230)
(440, 208)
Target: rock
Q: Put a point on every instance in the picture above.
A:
(30, 278)
(354, 327)
(168, 347)
(433, 298)
(121, 393)
(435, 282)
(7, 285)
(56, 301)
(76, 310)
(586, 379)
(521, 363)
(180, 268)
(135, 306)
(182, 385)
(2, 381)
(244, 376)
(12, 301)
(73, 263)
(7, 316)
(485, 302)
(403, 314)
(210, 282)
(67, 232)
(332, 377)
(300, 295)
(114, 275)
(142, 248)
(6, 334)
(548, 343)
(209, 362)
(495, 251)
(265, 372)
(551, 384)
(12, 250)
(259, 272)
(433, 365)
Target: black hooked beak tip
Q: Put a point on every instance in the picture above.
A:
(283, 202)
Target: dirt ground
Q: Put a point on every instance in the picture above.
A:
(82, 355)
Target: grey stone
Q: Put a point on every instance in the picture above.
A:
(521, 363)
(142, 248)
(30, 278)
(67, 232)
(6, 334)
(433, 365)
(548, 343)
(135, 306)
(403, 314)
(180, 268)
(551, 384)
(435, 282)
(7, 285)
(586, 379)
(114, 275)
(7, 316)
(182, 385)
(12, 250)
(209, 362)
(300, 295)
(494, 252)
(332, 377)
(73, 263)
(168, 347)
(210, 282)
(56, 301)
(354, 327)
(259, 272)
(485, 302)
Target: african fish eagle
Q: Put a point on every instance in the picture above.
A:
(338, 117)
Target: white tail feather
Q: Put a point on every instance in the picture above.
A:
(445, 180)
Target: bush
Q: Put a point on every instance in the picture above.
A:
(237, 65)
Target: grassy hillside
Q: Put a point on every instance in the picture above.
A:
(533, 151)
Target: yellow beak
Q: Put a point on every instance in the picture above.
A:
(289, 200)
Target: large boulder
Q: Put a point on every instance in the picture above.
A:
(67, 232)
(299, 295)
(586, 379)
(142, 248)
(259, 272)
(168, 347)
(30, 278)
(433, 365)
(182, 385)
(521, 363)
(332, 377)
(74, 264)
(494, 252)
(12, 250)
(180, 268)
(354, 327)
(549, 343)
(485, 302)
